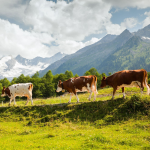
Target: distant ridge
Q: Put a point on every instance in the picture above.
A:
(13, 67)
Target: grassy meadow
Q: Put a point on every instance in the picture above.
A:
(53, 124)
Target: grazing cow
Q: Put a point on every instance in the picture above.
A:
(126, 78)
(21, 89)
(79, 84)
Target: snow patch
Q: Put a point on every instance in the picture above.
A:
(19, 68)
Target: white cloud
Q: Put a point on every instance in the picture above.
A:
(14, 41)
(66, 24)
(129, 22)
(141, 4)
(71, 46)
(117, 29)
(13, 9)
(73, 21)
(114, 29)
(147, 20)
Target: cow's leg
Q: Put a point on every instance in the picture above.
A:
(70, 98)
(31, 100)
(75, 93)
(148, 92)
(27, 100)
(90, 96)
(90, 89)
(10, 101)
(77, 98)
(14, 100)
(95, 92)
(114, 91)
(142, 87)
(123, 92)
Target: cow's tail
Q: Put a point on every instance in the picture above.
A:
(145, 78)
(95, 80)
(31, 87)
(146, 82)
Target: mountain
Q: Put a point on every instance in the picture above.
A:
(94, 55)
(143, 32)
(134, 54)
(55, 66)
(12, 67)
(110, 54)
(58, 63)
(106, 39)
(36, 60)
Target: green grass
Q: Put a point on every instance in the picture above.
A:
(104, 124)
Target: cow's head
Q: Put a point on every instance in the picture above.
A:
(103, 82)
(59, 86)
(3, 92)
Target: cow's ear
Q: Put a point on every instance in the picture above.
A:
(59, 81)
(4, 88)
(104, 78)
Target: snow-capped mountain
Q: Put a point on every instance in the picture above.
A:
(146, 39)
(13, 67)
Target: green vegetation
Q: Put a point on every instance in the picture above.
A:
(103, 124)
(134, 54)
(46, 86)
(52, 123)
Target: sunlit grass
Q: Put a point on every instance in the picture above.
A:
(118, 124)
(103, 94)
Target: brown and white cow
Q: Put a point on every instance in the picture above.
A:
(21, 89)
(79, 84)
(126, 78)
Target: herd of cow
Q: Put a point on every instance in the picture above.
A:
(121, 79)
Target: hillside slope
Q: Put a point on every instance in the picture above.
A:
(13, 67)
(94, 55)
(55, 67)
(104, 51)
(103, 124)
(135, 54)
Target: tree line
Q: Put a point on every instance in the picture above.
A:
(45, 86)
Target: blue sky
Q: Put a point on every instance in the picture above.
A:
(43, 28)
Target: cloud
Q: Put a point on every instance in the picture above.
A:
(13, 9)
(62, 23)
(73, 21)
(147, 19)
(71, 46)
(129, 22)
(117, 29)
(67, 24)
(141, 4)
(14, 41)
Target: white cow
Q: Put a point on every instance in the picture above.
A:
(20, 89)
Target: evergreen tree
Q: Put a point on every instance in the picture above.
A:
(69, 74)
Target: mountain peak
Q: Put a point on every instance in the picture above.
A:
(126, 31)
(107, 38)
(18, 56)
(123, 37)
(144, 32)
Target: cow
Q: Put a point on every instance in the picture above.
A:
(126, 78)
(79, 84)
(21, 89)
